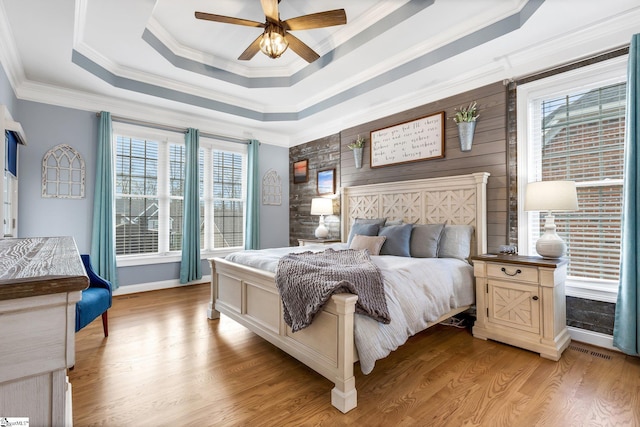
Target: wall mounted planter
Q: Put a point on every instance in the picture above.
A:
(357, 156)
(465, 133)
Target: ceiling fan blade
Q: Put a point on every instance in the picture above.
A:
(251, 51)
(228, 20)
(270, 8)
(301, 49)
(316, 20)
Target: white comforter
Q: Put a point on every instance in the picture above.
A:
(418, 290)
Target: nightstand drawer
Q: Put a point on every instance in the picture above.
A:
(513, 272)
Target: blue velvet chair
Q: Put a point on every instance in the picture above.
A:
(96, 299)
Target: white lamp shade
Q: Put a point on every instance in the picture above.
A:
(321, 206)
(551, 196)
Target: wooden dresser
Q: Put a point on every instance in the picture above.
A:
(41, 279)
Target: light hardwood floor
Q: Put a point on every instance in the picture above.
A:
(166, 364)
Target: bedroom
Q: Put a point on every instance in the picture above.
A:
(51, 116)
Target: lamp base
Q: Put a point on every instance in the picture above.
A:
(322, 232)
(550, 245)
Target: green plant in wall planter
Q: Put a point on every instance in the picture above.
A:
(466, 118)
(358, 147)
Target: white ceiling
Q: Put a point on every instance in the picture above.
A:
(152, 60)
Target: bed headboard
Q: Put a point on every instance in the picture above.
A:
(460, 199)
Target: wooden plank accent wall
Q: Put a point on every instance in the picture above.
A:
(323, 153)
(488, 153)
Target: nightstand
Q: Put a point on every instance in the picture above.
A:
(520, 301)
(304, 242)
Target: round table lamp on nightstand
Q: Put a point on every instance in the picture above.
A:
(551, 196)
(321, 206)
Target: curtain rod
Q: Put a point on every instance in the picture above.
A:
(595, 58)
(173, 129)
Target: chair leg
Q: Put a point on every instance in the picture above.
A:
(105, 324)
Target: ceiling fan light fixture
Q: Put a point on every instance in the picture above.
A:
(273, 43)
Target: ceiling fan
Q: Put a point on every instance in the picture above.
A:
(276, 37)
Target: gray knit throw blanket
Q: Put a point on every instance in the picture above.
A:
(307, 280)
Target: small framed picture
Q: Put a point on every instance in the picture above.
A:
(301, 171)
(327, 182)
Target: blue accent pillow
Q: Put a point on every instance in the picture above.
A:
(398, 240)
(363, 230)
(425, 239)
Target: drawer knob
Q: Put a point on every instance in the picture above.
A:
(504, 270)
(535, 298)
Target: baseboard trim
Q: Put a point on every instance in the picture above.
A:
(594, 338)
(156, 286)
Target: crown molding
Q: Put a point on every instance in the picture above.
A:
(230, 127)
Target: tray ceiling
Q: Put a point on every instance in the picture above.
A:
(152, 59)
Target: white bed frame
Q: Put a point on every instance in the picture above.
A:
(250, 296)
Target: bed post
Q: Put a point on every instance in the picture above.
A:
(481, 211)
(212, 313)
(344, 395)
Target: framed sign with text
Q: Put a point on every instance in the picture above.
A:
(413, 141)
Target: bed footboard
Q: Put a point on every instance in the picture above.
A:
(250, 297)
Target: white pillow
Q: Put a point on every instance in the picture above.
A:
(370, 243)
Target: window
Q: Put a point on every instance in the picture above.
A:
(574, 130)
(137, 205)
(222, 195)
(149, 181)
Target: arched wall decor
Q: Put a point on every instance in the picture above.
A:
(271, 188)
(63, 173)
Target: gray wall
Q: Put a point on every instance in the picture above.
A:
(274, 220)
(488, 153)
(323, 154)
(47, 126)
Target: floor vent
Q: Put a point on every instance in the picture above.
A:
(601, 355)
(580, 349)
(592, 353)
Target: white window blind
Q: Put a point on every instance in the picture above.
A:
(137, 205)
(222, 192)
(176, 195)
(579, 136)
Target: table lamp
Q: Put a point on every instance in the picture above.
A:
(551, 196)
(321, 206)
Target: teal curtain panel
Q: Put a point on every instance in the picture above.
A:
(252, 219)
(190, 266)
(626, 329)
(103, 241)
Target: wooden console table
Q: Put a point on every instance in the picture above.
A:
(41, 279)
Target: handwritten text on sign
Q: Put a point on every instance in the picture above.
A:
(419, 139)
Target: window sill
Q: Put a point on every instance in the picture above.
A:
(134, 260)
(605, 291)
